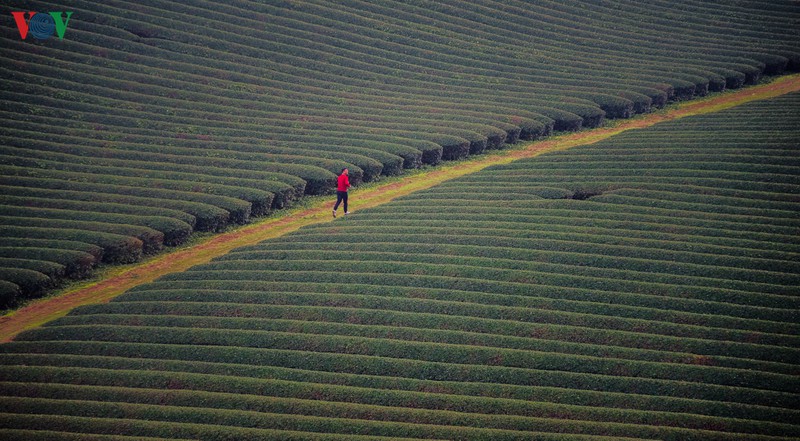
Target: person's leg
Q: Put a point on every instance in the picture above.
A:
(339, 200)
(344, 196)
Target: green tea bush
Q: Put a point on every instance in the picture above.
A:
(642, 287)
(10, 292)
(30, 283)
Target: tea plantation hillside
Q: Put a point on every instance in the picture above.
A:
(136, 123)
(645, 287)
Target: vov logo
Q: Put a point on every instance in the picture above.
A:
(41, 25)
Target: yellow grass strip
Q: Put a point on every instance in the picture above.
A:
(42, 311)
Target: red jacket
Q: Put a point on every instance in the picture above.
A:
(344, 183)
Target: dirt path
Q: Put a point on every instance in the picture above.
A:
(40, 312)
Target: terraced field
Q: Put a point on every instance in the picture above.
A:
(645, 287)
(153, 119)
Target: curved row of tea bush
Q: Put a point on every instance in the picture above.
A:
(403, 325)
(440, 299)
(340, 386)
(514, 414)
(275, 98)
(538, 299)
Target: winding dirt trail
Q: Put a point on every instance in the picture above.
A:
(40, 312)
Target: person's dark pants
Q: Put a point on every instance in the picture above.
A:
(341, 196)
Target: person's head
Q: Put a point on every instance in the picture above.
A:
(345, 171)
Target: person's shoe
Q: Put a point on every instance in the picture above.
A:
(334, 213)
(346, 213)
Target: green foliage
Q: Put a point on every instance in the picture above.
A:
(30, 283)
(74, 263)
(584, 301)
(238, 210)
(171, 231)
(10, 292)
(643, 287)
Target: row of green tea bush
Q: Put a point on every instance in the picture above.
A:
(593, 296)
(575, 312)
(343, 387)
(617, 382)
(376, 88)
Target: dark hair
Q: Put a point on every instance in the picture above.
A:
(343, 170)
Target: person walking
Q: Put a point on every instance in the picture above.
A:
(343, 184)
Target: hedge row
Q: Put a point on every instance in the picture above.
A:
(362, 411)
(288, 382)
(469, 304)
(414, 369)
(409, 327)
(97, 133)
(591, 296)
(238, 210)
(56, 264)
(511, 258)
(383, 87)
(643, 292)
(21, 281)
(269, 182)
(171, 231)
(344, 17)
(206, 217)
(562, 320)
(516, 288)
(425, 351)
(72, 263)
(576, 314)
(711, 225)
(602, 231)
(116, 248)
(101, 428)
(748, 236)
(471, 128)
(522, 127)
(556, 259)
(746, 274)
(606, 224)
(33, 266)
